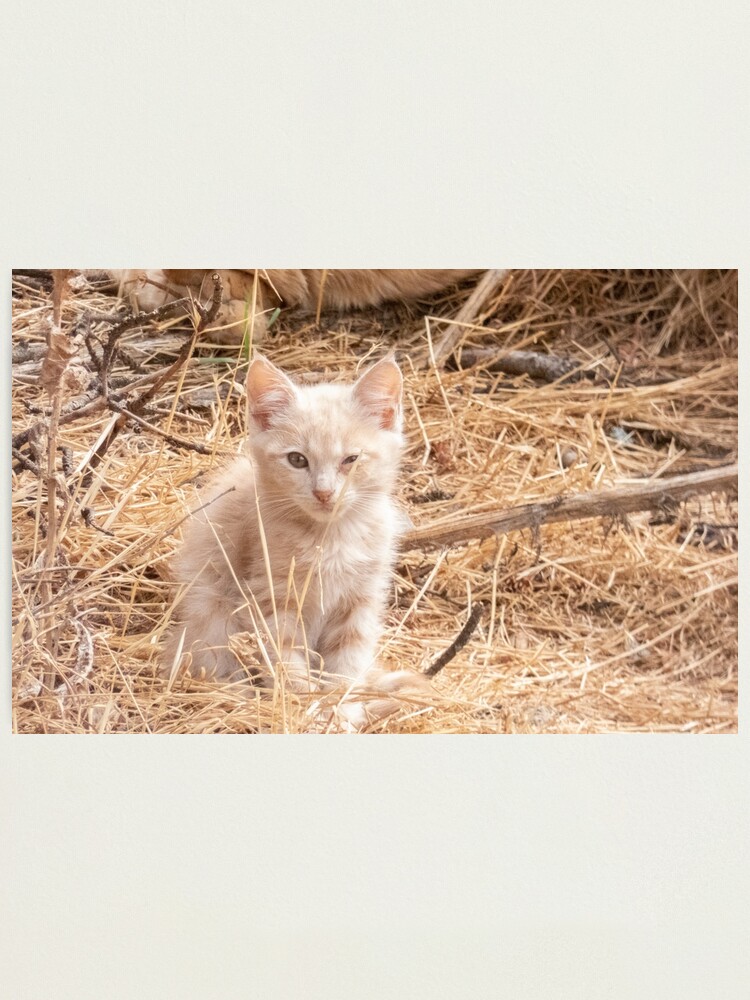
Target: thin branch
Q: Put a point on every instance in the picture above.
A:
(58, 354)
(170, 310)
(24, 462)
(135, 408)
(103, 363)
(173, 439)
(84, 410)
(651, 495)
(459, 642)
(89, 519)
(209, 314)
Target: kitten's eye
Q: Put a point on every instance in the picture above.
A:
(297, 460)
(350, 459)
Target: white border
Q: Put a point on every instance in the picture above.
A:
(425, 134)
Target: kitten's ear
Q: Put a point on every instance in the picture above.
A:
(269, 391)
(378, 391)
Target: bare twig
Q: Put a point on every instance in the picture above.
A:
(619, 500)
(85, 410)
(486, 288)
(51, 366)
(24, 462)
(184, 306)
(89, 520)
(459, 642)
(202, 317)
(59, 352)
(135, 408)
(173, 439)
(209, 314)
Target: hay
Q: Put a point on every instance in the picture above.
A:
(625, 624)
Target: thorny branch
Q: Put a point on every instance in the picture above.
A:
(173, 439)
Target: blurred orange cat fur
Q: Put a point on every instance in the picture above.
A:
(310, 290)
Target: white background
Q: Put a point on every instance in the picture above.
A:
(397, 134)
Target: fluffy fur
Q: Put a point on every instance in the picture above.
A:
(306, 289)
(296, 543)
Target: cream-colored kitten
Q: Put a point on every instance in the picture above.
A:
(297, 541)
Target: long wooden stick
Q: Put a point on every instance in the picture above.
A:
(649, 495)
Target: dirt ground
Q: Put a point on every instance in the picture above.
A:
(624, 623)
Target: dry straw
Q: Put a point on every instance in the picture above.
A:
(626, 622)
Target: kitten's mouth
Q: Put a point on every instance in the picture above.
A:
(323, 511)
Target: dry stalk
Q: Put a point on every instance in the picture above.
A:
(59, 353)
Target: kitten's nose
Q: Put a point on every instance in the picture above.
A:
(323, 495)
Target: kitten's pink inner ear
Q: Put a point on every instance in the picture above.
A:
(379, 392)
(269, 392)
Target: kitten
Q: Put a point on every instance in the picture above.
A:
(306, 289)
(297, 539)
